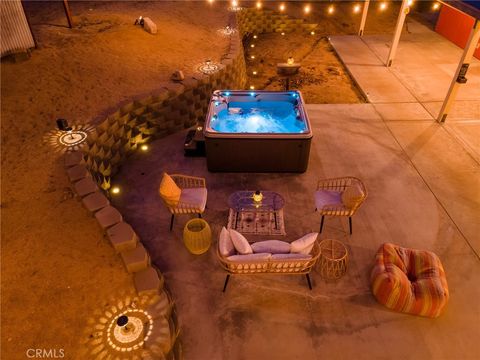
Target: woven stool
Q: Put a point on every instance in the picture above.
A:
(333, 259)
(197, 236)
(122, 237)
(136, 260)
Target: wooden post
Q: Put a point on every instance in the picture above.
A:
(68, 13)
(364, 17)
(404, 9)
(459, 77)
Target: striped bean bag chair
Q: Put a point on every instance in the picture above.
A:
(409, 281)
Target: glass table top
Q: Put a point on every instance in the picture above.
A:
(243, 200)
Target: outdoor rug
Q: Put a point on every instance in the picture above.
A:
(257, 223)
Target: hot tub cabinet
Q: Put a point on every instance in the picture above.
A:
(261, 131)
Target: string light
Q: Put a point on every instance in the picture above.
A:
(306, 9)
(282, 7)
(144, 147)
(211, 1)
(436, 6)
(383, 6)
(252, 57)
(409, 2)
(254, 72)
(115, 190)
(255, 36)
(252, 88)
(259, 5)
(234, 3)
(356, 8)
(312, 32)
(252, 46)
(331, 9)
(283, 34)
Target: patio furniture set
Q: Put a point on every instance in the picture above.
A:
(402, 279)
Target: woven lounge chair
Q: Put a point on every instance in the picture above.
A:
(183, 195)
(339, 197)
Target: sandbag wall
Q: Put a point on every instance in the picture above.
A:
(175, 107)
(265, 21)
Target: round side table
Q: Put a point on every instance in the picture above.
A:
(197, 236)
(333, 259)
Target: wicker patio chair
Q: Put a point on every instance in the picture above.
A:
(339, 197)
(192, 198)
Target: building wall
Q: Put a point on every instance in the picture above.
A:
(15, 32)
(456, 27)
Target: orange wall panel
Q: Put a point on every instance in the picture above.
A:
(456, 27)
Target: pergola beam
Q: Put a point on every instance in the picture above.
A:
(404, 9)
(459, 77)
(364, 17)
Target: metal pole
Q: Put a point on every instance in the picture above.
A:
(68, 13)
(364, 17)
(459, 77)
(404, 9)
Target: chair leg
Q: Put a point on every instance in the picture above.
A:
(350, 222)
(226, 283)
(199, 215)
(308, 279)
(171, 221)
(321, 223)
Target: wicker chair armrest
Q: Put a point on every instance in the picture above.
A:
(184, 181)
(186, 206)
(334, 208)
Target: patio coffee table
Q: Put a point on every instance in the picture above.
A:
(241, 201)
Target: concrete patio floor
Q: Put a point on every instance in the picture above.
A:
(423, 193)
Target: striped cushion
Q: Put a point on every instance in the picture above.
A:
(409, 281)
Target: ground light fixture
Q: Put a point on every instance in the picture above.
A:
(144, 147)
(115, 190)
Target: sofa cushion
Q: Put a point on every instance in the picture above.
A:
(291, 256)
(225, 244)
(240, 242)
(304, 245)
(169, 190)
(250, 257)
(351, 196)
(271, 246)
(327, 197)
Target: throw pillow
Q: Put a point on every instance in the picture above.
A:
(225, 244)
(271, 246)
(351, 196)
(240, 242)
(169, 191)
(304, 245)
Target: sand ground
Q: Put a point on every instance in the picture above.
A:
(57, 270)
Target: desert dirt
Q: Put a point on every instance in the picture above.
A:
(57, 269)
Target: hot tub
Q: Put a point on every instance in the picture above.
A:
(257, 131)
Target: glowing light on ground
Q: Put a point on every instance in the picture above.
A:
(115, 190)
(63, 141)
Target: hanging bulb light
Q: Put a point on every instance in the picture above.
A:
(331, 9)
(258, 5)
(234, 3)
(282, 7)
(211, 1)
(383, 6)
(436, 6)
(409, 2)
(356, 8)
(307, 9)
